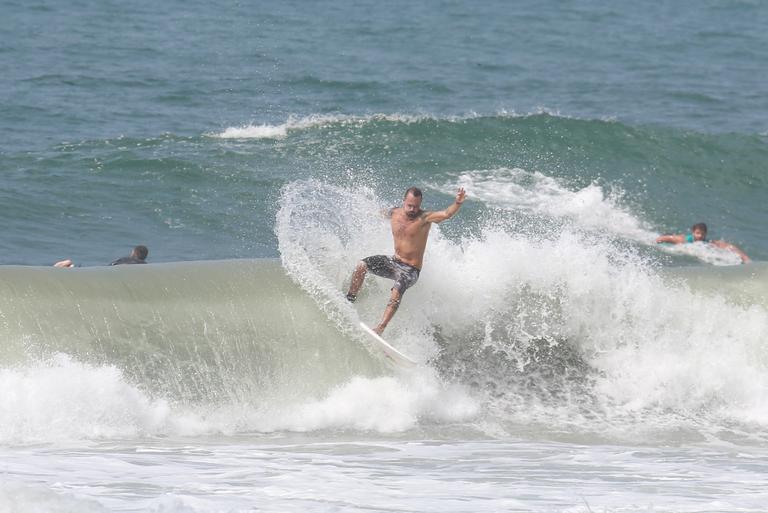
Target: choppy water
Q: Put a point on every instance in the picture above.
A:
(295, 474)
(567, 362)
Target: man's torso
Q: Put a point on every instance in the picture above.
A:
(410, 236)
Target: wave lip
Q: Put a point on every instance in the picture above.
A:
(280, 131)
(294, 123)
(255, 132)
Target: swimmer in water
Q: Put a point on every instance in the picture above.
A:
(699, 234)
(137, 256)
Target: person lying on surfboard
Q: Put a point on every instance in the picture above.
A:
(410, 229)
(699, 234)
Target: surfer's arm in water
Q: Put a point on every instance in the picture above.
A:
(671, 239)
(732, 247)
(443, 215)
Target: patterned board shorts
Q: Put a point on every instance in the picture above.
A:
(405, 275)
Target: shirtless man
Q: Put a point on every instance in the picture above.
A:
(699, 234)
(410, 229)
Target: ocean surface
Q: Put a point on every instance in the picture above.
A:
(567, 362)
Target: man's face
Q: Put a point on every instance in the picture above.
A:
(699, 234)
(412, 206)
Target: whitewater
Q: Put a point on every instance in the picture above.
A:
(547, 355)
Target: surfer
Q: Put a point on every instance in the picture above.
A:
(699, 234)
(410, 230)
(138, 256)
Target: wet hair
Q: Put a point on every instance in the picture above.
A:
(140, 252)
(413, 191)
(699, 226)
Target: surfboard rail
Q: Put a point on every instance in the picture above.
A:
(393, 354)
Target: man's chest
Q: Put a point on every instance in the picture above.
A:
(409, 229)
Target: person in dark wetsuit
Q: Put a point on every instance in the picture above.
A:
(138, 256)
(699, 234)
(410, 230)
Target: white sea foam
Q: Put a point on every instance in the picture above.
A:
(662, 355)
(65, 399)
(590, 207)
(657, 347)
(384, 405)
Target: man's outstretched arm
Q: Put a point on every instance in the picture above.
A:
(442, 215)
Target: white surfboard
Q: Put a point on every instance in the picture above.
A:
(391, 353)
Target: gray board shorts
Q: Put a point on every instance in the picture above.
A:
(405, 275)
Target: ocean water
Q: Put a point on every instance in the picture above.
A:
(567, 363)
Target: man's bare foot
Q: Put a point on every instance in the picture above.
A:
(64, 263)
(379, 330)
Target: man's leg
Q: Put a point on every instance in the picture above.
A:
(389, 312)
(357, 280)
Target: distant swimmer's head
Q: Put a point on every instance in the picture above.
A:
(699, 232)
(412, 202)
(140, 252)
